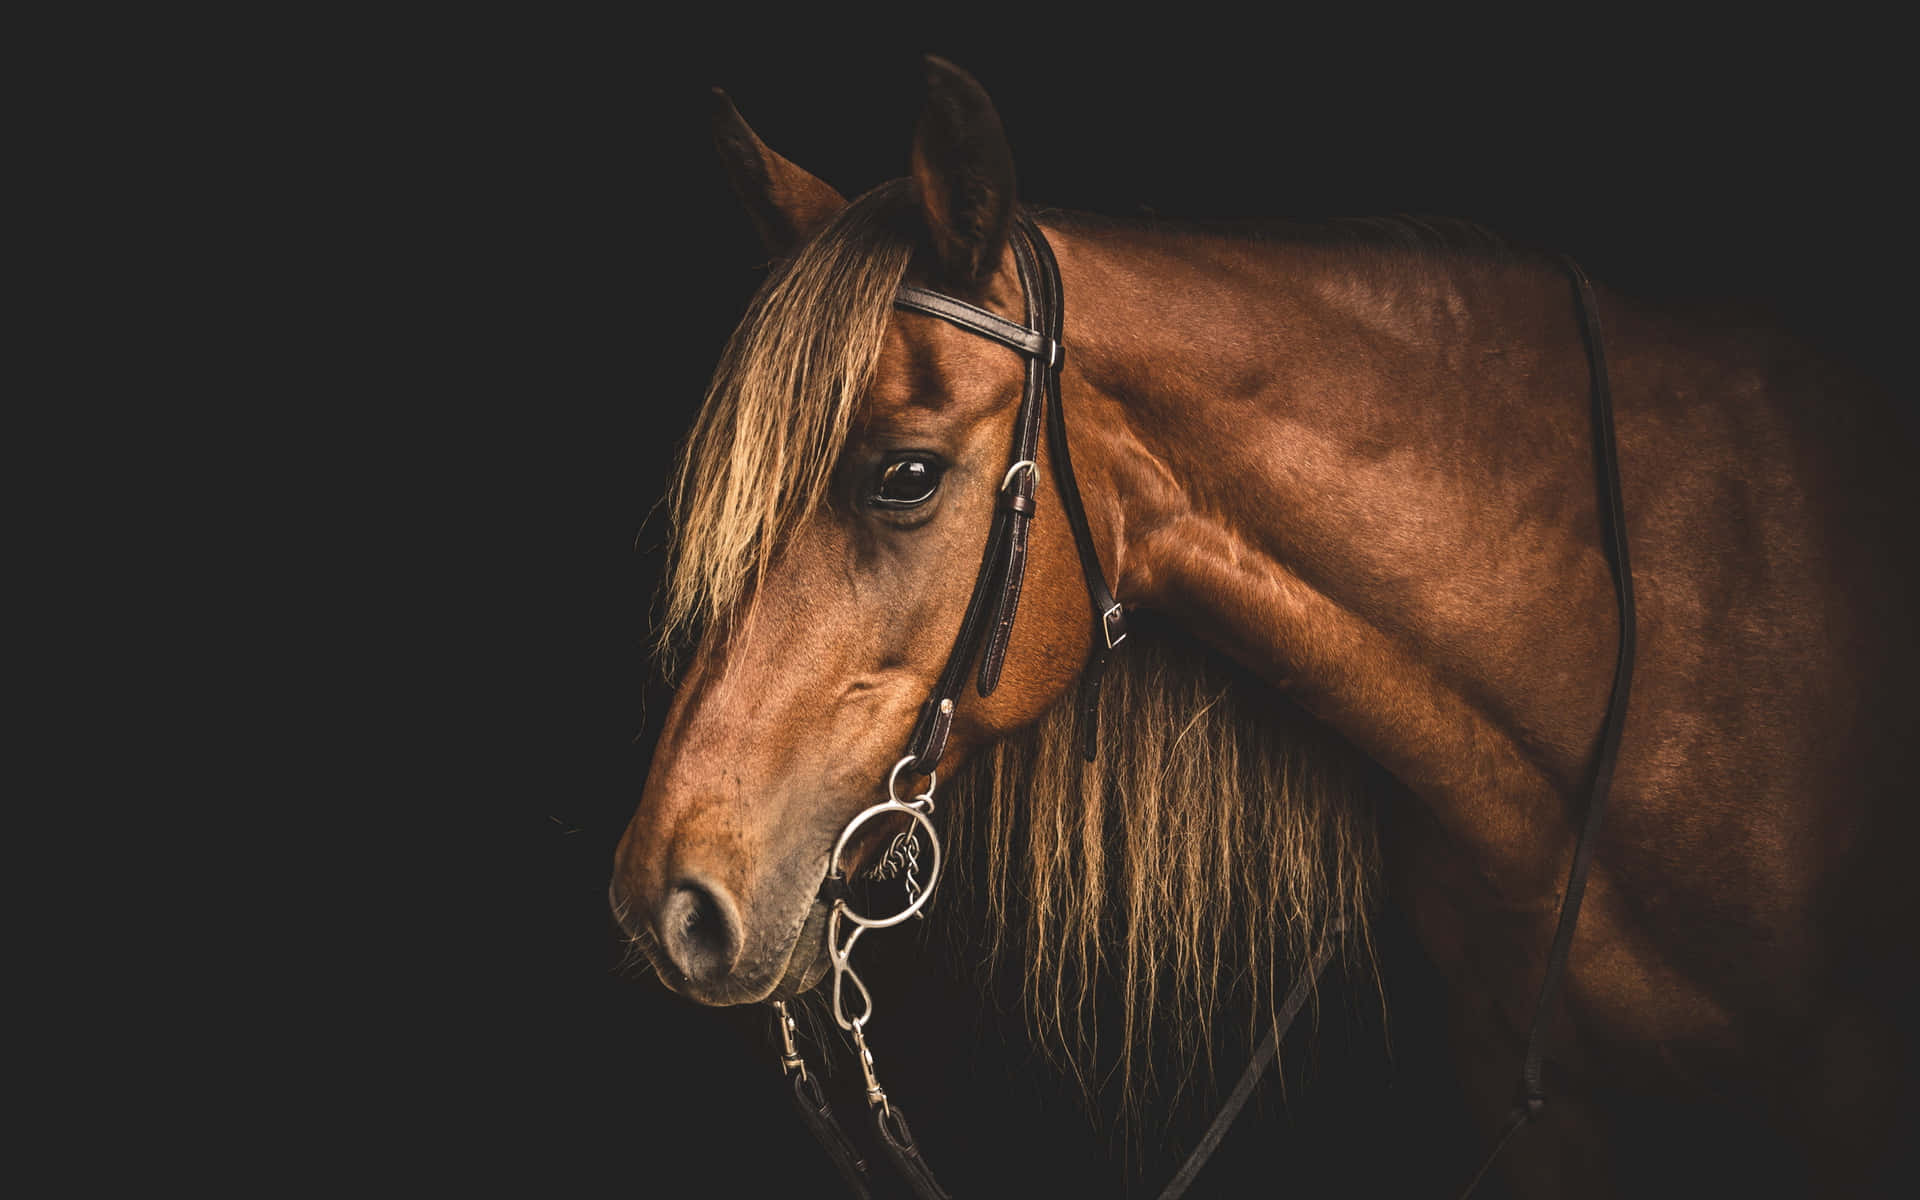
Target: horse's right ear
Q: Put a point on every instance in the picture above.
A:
(787, 205)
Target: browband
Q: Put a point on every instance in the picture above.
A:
(978, 320)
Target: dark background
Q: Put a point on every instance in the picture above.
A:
(534, 260)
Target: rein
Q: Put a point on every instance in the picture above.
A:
(984, 632)
(1531, 1098)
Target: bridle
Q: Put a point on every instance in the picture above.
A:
(984, 632)
(985, 629)
(996, 592)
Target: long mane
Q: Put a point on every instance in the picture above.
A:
(1221, 836)
(1209, 852)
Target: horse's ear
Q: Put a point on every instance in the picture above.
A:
(963, 172)
(787, 205)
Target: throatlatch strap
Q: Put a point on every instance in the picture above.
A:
(1109, 619)
(1532, 1100)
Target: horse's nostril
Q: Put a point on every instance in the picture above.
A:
(700, 931)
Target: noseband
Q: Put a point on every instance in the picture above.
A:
(984, 633)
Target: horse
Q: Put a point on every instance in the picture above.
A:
(1342, 480)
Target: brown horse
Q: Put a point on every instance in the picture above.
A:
(1353, 465)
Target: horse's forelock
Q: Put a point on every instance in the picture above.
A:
(777, 413)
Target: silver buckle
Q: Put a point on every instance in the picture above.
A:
(1106, 627)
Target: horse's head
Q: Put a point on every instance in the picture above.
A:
(829, 522)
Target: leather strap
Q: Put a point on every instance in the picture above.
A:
(978, 320)
(1237, 1099)
(905, 1152)
(1531, 1100)
(1109, 619)
(820, 1121)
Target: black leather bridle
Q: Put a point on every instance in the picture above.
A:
(984, 632)
(996, 592)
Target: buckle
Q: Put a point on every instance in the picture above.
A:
(1108, 620)
(1056, 353)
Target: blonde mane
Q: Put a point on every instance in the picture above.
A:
(1207, 853)
(1220, 836)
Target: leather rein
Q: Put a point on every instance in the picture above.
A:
(984, 632)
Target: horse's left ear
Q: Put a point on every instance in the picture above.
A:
(963, 172)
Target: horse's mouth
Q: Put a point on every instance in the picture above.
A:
(807, 961)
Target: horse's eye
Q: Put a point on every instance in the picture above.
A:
(905, 483)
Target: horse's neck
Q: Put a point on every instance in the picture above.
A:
(1368, 476)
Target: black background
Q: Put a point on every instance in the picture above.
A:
(532, 260)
